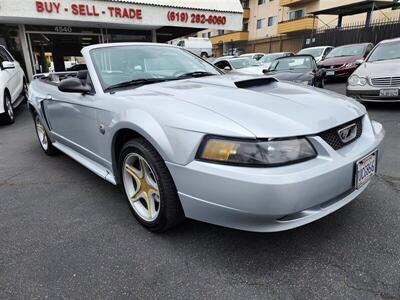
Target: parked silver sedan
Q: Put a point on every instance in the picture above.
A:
(185, 140)
(377, 79)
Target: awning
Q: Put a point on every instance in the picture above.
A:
(210, 5)
(189, 15)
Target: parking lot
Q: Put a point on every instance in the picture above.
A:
(66, 233)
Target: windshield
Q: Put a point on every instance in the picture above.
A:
(292, 64)
(122, 64)
(386, 52)
(316, 52)
(240, 63)
(270, 58)
(352, 50)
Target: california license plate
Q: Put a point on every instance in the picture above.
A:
(365, 169)
(330, 73)
(389, 93)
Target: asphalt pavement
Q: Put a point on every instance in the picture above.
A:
(67, 234)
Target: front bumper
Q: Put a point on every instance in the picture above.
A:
(275, 199)
(341, 72)
(369, 93)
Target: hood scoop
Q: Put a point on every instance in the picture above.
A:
(256, 82)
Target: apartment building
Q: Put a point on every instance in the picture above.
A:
(281, 25)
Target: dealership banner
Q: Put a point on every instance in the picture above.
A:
(74, 12)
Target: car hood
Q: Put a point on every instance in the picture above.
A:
(291, 76)
(380, 68)
(339, 60)
(260, 104)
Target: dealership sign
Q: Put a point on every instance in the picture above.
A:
(74, 12)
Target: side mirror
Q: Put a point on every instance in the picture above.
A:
(359, 62)
(7, 65)
(74, 85)
(227, 68)
(265, 71)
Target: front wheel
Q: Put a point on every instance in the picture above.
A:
(8, 117)
(149, 187)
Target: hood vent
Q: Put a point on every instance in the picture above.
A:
(245, 84)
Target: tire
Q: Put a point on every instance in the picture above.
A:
(8, 117)
(204, 55)
(149, 187)
(43, 137)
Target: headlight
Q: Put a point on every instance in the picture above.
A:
(355, 80)
(349, 65)
(273, 152)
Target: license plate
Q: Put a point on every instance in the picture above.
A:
(330, 73)
(365, 169)
(389, 93)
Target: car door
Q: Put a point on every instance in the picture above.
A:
(72, 119)
(11, 75)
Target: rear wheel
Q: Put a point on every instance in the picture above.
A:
(149, 187)
(204, 55)
(45, 142)
(8, 117)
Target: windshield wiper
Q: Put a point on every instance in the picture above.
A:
(195, 74)
(134, 82)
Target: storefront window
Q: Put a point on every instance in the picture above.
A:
(9, 37)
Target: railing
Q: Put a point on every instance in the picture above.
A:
(354, 33)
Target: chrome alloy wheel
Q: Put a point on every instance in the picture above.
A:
(41, 133)
(141, 187)
(9, 108)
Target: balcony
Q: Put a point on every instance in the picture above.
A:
(230, 37)
(293, 2)
(296, 25)
(246, 13)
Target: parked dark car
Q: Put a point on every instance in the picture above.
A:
(297, 68)
(342, 61)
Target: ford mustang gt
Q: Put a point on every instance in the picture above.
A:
(185, 140)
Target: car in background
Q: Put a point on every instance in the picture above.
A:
(319, 53)
(13, 86)
(342, 61)
(234, 52)
(378, 77)
(298, 68)
(78, 67)
(255, 56)
(243, 65)
(267, 59)
(199, 46)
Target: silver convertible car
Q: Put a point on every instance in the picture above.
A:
(185, 140)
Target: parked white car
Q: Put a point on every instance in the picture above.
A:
(199, 46)
(255, 56)
(243, 65)
(319, 53)
(268, 59)
(13, 87)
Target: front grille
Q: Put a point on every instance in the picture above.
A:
(331, 136)
(385, 81)
(333, 67)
